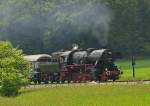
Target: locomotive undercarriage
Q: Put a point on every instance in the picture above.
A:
(77, 73)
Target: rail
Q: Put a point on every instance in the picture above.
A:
(34, 86)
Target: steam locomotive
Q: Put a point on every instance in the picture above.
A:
(75, 65)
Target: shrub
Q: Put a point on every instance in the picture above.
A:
(13, 69)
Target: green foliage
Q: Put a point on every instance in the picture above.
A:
(13, 69)
(130, 26)
(53, 25)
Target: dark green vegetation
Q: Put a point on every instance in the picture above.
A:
(142, 69)
(13, 69)
(38, 26)
(96, 95)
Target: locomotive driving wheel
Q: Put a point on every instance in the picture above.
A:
(104, 77)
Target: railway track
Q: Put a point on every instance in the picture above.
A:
(32, 86)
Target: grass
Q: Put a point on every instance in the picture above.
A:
(98, 95)
(142, 69)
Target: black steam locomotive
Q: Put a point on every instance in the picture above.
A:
(76, 65)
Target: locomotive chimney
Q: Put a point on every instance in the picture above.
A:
(75, 46)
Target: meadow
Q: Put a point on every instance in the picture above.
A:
(87, 95)
(142, 69)
(96, 95)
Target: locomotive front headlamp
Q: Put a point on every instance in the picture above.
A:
(109, 52)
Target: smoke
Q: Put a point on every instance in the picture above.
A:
(51, 22)
(84, 17)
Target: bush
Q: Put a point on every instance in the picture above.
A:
(13, 70)
(10, 85)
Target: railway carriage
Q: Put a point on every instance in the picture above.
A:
(43, 68)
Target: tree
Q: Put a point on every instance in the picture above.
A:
(38, 26)
(13, 69)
